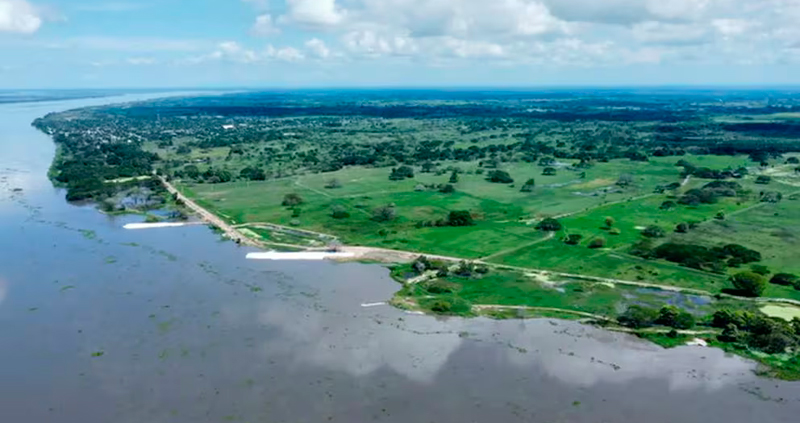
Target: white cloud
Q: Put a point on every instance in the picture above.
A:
(652, 32)
(113, 6)
(264, 25)
(19, 16)
(132, 44)
(318, 48)
(314, 13)
(286, 54)
(141, 61)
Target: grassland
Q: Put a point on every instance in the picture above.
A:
(505, 217)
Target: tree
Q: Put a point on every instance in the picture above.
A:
(454, 177)
(763, 180)
(338, 211)
(760, 269)
(499, 177)
(333, 184)
(667, 205)
(549, 225)
(675, 318)
(609, 221)
(292, 200)
(460, 218)
(653, 231)
(385, 213)
(786, 279)
(597, 243)
(638, 317)
(528, 187)
(402, 172)
(749, 284)
(549, 171)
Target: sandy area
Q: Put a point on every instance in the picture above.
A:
(307, 255)
(156, 225)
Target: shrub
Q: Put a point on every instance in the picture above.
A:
(786, 279)
(653, 231)
(447, 189)
(292, 200)
(339, 212)
(549, 171)
(529, 184)
(549, 225)
(597, 243)
(460, 218)
(499, 177)
(614, 231)
(333, 184)
(667, 205)
(573, 239)
(763, 179)
(454, 177)
(384, 214)
(675, 318)
(638, 317)
(609, 221)
(760, 269)
(402, 172)
(749, 284)
(682, 228)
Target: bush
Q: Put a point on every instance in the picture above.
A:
(529, 185)
(499, 177)
(682, 228)
(749, 284)
(402, 172)
(609, 221)
(785, 279)
(675, 318)
(549, 225)
(454, 177)
(597, 243)
(573, 239)
(339, 212)
(760, 269)
(653, 231)
(638, 317)
(333, 184)
(614, 231)
(460, 218)
(384, 214)
(447, 189)
(549, 171)
(292, 200)
(667, 205)
(763, 180)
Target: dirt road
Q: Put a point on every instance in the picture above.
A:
(209, 217)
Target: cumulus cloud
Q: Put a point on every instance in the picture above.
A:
(318, 48)
(285, 54)
(265, 25)
(314, 13)
(19, 16)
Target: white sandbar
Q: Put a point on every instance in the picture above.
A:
(154, 225)
(308, 255)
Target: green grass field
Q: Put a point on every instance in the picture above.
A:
(504, 232)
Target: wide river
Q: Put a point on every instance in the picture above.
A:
(107, 325)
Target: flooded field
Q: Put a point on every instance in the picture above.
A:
(102, 324)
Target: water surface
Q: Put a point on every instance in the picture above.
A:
(100, 324)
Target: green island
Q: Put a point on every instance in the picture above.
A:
(671, 214)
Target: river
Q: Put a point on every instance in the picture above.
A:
(101, 324)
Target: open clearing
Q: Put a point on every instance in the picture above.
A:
(783, 312)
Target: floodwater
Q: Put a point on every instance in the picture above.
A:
(101, 324)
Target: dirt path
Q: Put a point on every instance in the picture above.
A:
(209, 217)
(549, 236)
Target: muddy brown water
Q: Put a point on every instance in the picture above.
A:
(101, 324)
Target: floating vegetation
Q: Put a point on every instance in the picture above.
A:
(67, 288)
(98, 353)
(88, 233)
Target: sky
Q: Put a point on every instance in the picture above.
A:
(415, 43)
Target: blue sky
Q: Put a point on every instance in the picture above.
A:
(318, 43)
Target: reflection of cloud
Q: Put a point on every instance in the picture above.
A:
(586, 356)
(357, 347)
